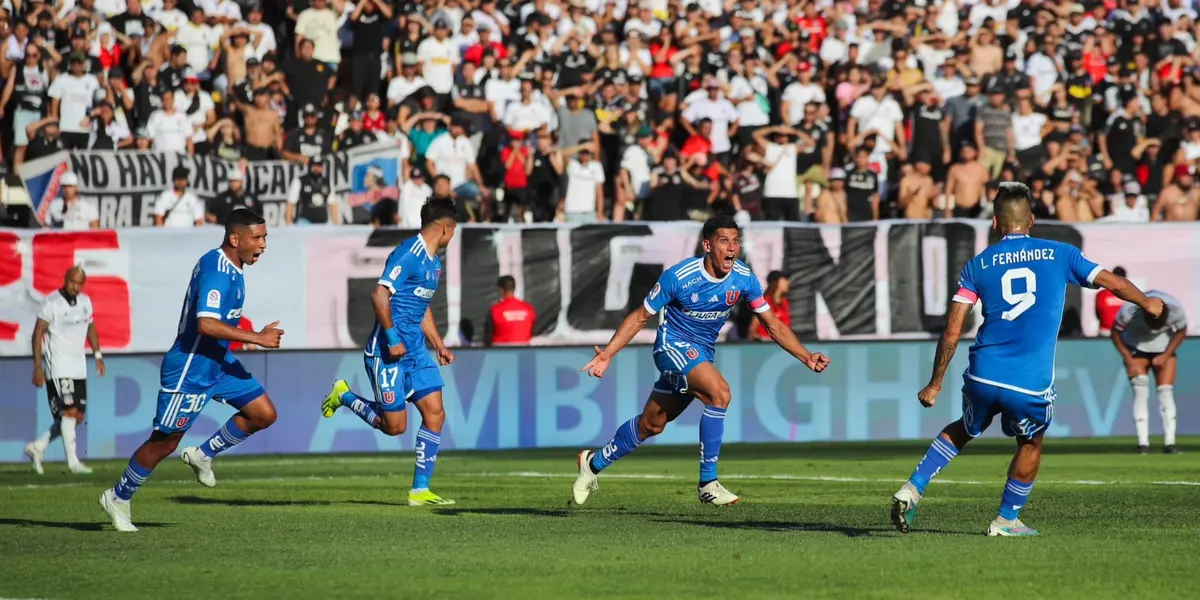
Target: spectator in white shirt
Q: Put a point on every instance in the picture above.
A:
(178, 206)
(169, 129)
(439, 57)
(584, 200)
(263, 39)
(1134, 209)
(720, 112)
(454, 156)
(320, 23)
(69, 212)
(71, 96)
(526, 115)
(413, 195)
(799, 94)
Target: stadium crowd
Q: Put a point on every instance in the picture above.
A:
(593, 110)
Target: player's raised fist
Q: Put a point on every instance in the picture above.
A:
(598, 365)
(445, 356)
(398, 351)
(1154, 307)
(817, 362)
(269, 336)
(928, 395)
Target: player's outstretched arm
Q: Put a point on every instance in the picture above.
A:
(633, 323)
(1125, 290)
(218, 329)
(786, 339)
(945, 351)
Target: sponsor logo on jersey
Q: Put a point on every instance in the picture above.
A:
(214, 299)
(706, 315)
(234, 314)
(691, 282)
(731, 297)
(425, 293)
(437, 274)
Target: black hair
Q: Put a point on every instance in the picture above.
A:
(1118, 271)
(775, 276)
(506, 283)
(717, 223)
(1013, 204)
(241, 218)
(436, 209)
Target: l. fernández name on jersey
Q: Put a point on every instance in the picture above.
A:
(412, 275)
(1022, 283)
(217, 290)
(698, 304)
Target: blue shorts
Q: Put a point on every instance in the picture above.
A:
(674, 361)
(235, 387)
(1023, 415)
(409, 379)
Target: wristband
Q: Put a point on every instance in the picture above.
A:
(97, 356)
(393, 336)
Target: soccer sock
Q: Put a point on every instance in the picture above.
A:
(133, 478)
(427, 451)
(1141, 408)
(67, 427)
(626, 440)
(227, 437)
(939, 454)
(51, 434)
(1016, 494)
(712, 429)
(1166, 407)
(365, 409)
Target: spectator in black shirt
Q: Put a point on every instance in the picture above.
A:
(44, 139)
(310, 140)
(367, 22)
(1122, 134)
(233, 198)
(354, 136)
(171, 75)
(308, 80)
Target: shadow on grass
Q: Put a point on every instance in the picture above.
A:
(786, 526)
(68, 525)
(503, 512)
(199, 501)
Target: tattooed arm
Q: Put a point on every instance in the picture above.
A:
(945, 351)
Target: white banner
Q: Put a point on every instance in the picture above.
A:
(888, 280)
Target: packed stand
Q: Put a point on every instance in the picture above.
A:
(585, 111)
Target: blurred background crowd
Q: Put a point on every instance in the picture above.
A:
(596, 110)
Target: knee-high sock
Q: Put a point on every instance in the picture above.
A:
(625, 440)
(427, 446)
(225, 438)
(1166, 408)
(712, 431)
(365, 409)
(51, 434)
(1016, 494)
(68, 437)
(133, 478)
(939, 454)
(1141, 408)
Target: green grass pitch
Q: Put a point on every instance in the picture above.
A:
(813, 523)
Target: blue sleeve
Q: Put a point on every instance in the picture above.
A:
(967, 292)
(754, 296)
(213, 292)
(1082, 272)
(394, 270)
(662, 293)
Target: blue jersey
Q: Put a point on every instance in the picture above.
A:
(697, 304)
(217, 290)
(412, 275)
(1022, 283)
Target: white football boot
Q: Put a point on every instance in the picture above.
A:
(117, 509)
(35, 456)
(714, 493)
(586, 483)
(1015, 528)
(200, 464)
(904, 507)
(79, 468)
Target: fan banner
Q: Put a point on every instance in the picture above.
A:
(887, 280)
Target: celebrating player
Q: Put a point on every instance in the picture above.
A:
(199, 367)
(1146, 343)
(697, 294)
(398, 364)
(1021, 282)
(65, 321)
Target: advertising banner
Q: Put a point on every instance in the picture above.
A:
(537, 398)
(887, 280)
(124, 184)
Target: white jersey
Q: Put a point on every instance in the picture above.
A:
(1136, 334)
(62, 347)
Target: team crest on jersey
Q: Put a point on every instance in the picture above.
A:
(731, 297)
(389, 397)
(695, 297)
(693, 354)
(182, 422)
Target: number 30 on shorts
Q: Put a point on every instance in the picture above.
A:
(1020, 302)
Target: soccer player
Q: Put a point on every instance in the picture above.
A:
(398, 363)
(697, 295)
(65, 321)
(1021, 282)
(1147, 343)
(199, 367)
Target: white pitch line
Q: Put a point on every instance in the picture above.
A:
(630, 476)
